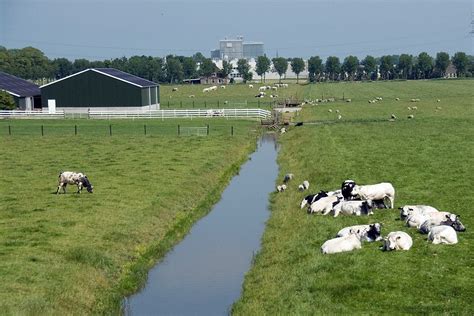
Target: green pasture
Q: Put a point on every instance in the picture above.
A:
(81, 254)
(429, 160)
(233, 96)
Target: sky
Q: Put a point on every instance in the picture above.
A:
(104, 29)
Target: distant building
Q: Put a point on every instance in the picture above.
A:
(451, 72)
(27, 95)
(214, 80)
(101, 89)
(230, 49)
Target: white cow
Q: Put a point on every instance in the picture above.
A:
(323, 205)
(77, 178)
(357, 208)
(415, 219)
(370, 232)
(342, 244)
(442, 218)
(378, 191)
(443, 235)
(407, 210)
(397, 241)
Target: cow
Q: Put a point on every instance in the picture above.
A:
(370, 232)
(357, 208)
(442, 218)
(324, 205)
(378, 191)
(79, 179)
(346, 189)
(397, 241)
(310, 199)
(342, 244)
(443, 234)
(406, 210)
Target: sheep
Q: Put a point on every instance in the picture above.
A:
(205, 90)
(250, 86)
(409, 108)
(414, 108)
(330, 110)
(337, 111)
(191, 96)
(275, 88)
(339, 117)
(174, 89)
(281, 188)
(288, 177)
(282, 130)
(438, 100)
(306, 184)
(222, 87)
(262, 88)
(349, 100)
(393, 116)
(226, 102)
(410, 116)
(414, 100)
(397, 99)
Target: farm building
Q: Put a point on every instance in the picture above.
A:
(101, 89)
(27, 95)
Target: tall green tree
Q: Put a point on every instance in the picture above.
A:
(174, 69)
(6, 101)
(80, 64)
(441, 63)
(386, 67)
(226, 69)
(424, 65)
(350, 65)
(281, 66)
(333, 67)
(189, 67)
(262, 66)
(207, 67)
(62, 67)
(297, 66)
(405, 65)
(370, 66)
(243, 68)
(315, 68)
(461, 62)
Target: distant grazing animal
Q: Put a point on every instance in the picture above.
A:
(393, 116)
(288, 177)
(357, 208)
(438, 100)
(222, 87)
(349, 100)
(410, 116)
(398, 99)
(306, 184)
(397, 241)
(339, 117)
(370, 232)
(281, 188)
(443, 235)
(378, 191)
(174, 89)
(442, 218)
(299, 124)
(70, 177)
(191, 95)
(205, 90)
(342, 244)
(250, 85)
(310, 199)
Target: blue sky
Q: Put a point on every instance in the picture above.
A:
(103, 29)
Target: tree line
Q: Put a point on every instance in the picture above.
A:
(31, 63)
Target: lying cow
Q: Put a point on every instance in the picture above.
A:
(79, 179)
(406, 210)
(370, 232)
(442, 218)
(310, 199)
(357, 208)
(378, 191)
(346, 189)
(323, 205)
(397, 241)
(342, 244)
(443, 235)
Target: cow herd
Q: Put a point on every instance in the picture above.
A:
(358, 200)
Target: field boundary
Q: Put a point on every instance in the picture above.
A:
(186, 113)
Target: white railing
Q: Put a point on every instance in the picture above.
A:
(30, 114)
(186, 113)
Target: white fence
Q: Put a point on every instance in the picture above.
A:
(31, 114)
(188, 113)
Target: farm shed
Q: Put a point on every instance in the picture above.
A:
(26, 94)
(101, 89)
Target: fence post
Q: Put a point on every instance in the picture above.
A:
(205, 104)
(144, 129)
(9, 130)
(208, 129)
(179, 130)
(217, 103)
(232, 130)
(42, 131)
(75, 129)
(110, 129)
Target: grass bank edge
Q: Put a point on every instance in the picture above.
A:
(135, 274)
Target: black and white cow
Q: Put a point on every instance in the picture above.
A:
(77, 178)
(370, 232)
(310, 199)
(346, 189)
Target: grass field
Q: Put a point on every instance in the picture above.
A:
(429, 160)
(80, 254)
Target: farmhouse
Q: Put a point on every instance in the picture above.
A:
(27, 95)
(101, 89)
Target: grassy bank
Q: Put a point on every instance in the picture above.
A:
(79, 254)
(429, 161)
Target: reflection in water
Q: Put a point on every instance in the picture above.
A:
(203, 274)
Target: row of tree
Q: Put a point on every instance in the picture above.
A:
(31, 63)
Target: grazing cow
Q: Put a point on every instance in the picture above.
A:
(324, 205)
(378, 191)
(342, 244)
(443, 235)
(357, 208)
(397, 241)
(79, 179)
(406, 210)
(370, 232)
(442, 218)
(310, 199)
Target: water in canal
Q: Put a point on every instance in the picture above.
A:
(203, 274)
